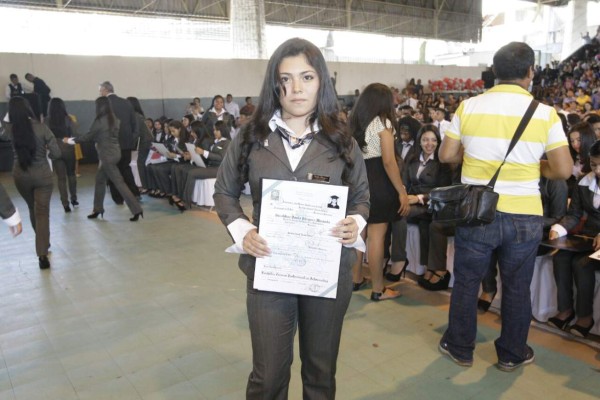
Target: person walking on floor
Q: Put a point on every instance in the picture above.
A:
(33, 144)
(105, 133)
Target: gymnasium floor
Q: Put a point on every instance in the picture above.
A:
(156, 310)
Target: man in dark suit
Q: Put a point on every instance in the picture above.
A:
(42, 90)
(9, 213)
(128, 136)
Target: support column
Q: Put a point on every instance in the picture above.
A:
(575, 25)
(248, 36)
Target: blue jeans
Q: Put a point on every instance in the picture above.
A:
(515, 237)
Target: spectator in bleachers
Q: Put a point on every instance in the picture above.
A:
(158, 133)
(575, 266)
(594, 121)
(232, 107)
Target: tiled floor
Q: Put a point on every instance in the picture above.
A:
(155, 310)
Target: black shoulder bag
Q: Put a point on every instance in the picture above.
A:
(473, 205)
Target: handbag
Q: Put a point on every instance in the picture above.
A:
(473, 205)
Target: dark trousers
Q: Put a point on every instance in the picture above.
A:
(127, 174)
(107, 170)
(516, 239)
(190, 182)
(35, 186)
(438, 246)
(274, 318)
(568, 267)
(179, 174)
(64, 168)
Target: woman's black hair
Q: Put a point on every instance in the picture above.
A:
(424, 129)
(212, 104)
(376, 101)
(200, 128)
(325, 113)
(222, 127)
(184, 135)
(104, 109)
(57, 118)
(587, 137)
(595, 149)
(20, 115)
(137, 107)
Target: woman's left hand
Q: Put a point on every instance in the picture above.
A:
(597, 242)
(346, 230)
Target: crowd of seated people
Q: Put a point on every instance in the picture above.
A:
(173, 175)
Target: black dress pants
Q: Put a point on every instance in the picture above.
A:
(127, 175)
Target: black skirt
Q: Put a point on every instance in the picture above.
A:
(384, 197)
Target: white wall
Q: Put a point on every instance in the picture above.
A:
(77, 77)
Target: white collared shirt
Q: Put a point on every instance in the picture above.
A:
(406, 146)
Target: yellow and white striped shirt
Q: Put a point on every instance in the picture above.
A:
(486, 124)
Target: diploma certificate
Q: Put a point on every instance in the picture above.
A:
(296, 219)
(196, 159)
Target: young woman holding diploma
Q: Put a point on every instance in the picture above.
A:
(295, 132)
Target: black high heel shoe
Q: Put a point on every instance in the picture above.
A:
(561, 324)
(74, 203)
(441, 284)
(171, 200)
(356, 286)
(67, 208)
(180, 205)
(44, 262)
(137, 216)
(484, 305)
(95, 214)
(581, 331)
(396, 277)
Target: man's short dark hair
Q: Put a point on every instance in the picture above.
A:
(248, 98)
(13, 76)
(108, 86)
(513, 61)
(592, 118)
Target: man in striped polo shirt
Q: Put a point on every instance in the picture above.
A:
(478, 137)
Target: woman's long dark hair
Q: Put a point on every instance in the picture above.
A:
(137, 107)
(57, 118)
(587, 137)
(222, 127)
(325, 113)
(184, 135)
(23, 137)
(424, 129)
(203, 135)
(376, 101)
(104, 109)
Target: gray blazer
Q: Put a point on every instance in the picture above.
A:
(45, 140)
(271, 161)
(7, 208)
(106, 139)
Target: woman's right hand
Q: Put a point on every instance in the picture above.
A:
(553, 235)
(404, 204)
(255, 245)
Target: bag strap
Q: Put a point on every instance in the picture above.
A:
(518, 133)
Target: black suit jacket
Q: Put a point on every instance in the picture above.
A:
(128, 132)
(434, 175)
(582, 201)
